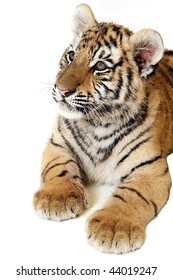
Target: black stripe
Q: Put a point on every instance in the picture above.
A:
(167, 78)
(133, 123)
(97, 138)
(170, 69)
(49, 163)
(106, 43)
(119, 63)
(120, 37)
(71, 148)
(105, 108)
(110, 60)
(75, 132)
(104, 30)
(130, 125)
(155, 208)
(80, 99)
(116, 29)
(120, 197)
(76, 177)
(63, 173)
(135, 139)
(107, 56)
(94, 86)
(102, 54)
(129, 74)
(107, 79)
(147, 162)
(97, 49)
(107, 125)
(119, 86)
(129, 92)
(133, 149)
(168, 52)
(55, 144)
(55, 165)
(136, 192)
(128, 32)
(106, 88)
(166, 170)
(78, 136)
(113, 41)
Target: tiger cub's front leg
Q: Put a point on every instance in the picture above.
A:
(62, 195)
(119, 227)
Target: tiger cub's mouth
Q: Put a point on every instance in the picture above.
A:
(75, 104)
(71, 101)
(66, 93)
(60, 94)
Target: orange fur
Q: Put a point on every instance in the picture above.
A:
(125, 143)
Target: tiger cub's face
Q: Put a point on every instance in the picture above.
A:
(102, 71)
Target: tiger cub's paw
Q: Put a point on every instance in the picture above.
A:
(114, 234)
(61, 202)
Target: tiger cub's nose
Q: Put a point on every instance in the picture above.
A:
(66, 92)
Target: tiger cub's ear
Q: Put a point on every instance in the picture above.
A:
(147, 46)
(83, 18)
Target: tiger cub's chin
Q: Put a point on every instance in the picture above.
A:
(69, 113)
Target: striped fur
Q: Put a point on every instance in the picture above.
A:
(114, 94)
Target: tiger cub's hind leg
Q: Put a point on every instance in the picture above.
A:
(62, 195)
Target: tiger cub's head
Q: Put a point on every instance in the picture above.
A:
(103, 70)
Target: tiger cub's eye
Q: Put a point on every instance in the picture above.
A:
(100, 66)
(70, 56)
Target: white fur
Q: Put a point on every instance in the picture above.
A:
(83, 18)
(150, 41)
(152, 37)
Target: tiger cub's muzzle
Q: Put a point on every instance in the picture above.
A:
(65, 93)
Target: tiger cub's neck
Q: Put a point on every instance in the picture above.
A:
(103, 128)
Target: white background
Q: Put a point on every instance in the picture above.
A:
(33, 35)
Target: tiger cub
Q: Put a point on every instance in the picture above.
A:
(114, 94)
